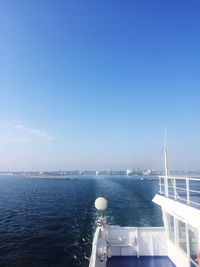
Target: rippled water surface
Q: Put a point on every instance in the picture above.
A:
(50, 222)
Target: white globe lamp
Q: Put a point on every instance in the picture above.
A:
(101, 204)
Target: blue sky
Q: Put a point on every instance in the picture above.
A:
(92, 84)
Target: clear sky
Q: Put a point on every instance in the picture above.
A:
(92, 84)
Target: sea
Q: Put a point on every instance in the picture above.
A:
(51, 222)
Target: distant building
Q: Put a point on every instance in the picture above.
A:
(129, 172)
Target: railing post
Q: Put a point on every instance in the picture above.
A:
(166, 186)
(175, 194)
(166, 173)
(160, 180)
(187, 190)
(138, 240)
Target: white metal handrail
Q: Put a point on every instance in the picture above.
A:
(183, 189)
(174, 186)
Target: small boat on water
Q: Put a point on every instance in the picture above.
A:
(177, 243)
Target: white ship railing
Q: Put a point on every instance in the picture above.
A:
(136, 241)
(184, 189)
(93, 259)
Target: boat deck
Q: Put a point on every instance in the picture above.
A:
(143, 261)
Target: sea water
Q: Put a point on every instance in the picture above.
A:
(51, 222)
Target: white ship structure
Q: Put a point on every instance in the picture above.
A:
(129, 172)
(177, 243)
(149, 172)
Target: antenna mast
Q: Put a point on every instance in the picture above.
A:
(166, 165)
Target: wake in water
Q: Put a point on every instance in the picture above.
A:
(50, 222)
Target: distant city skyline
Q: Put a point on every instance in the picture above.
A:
(93, 84)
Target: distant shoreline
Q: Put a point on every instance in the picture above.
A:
(50, 177)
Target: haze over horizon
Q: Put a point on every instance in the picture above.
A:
(92, 85)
